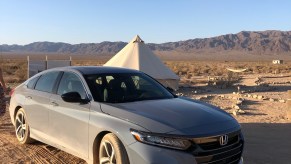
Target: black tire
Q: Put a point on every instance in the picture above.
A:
(22, 130)
(119, 156)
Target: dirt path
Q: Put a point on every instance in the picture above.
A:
(12, 152)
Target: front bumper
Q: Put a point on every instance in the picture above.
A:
(147, 154)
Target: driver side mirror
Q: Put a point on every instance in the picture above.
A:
(73, 97)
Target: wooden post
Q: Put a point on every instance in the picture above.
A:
(28, 67)
(289, 105)
(46, 63)
(70, 60)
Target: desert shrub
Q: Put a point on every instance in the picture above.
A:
(189, 75)
(14, 71)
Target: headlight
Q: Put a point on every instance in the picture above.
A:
(160, 140)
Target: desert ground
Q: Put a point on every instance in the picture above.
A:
(256, 98)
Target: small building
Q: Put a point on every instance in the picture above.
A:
(277, 61)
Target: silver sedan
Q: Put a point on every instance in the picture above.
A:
(116, 115)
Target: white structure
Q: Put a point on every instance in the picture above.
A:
(277, 61)
(137, 55)
(36, 66)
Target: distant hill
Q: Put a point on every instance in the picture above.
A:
(255, 42)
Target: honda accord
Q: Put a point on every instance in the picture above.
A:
(118, 115)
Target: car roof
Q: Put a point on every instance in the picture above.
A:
(87, 70)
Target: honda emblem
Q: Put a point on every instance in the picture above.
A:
(223, 140)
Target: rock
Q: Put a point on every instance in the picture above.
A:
(260, 97)
(249, 95)
(234, 93)
(255, 96)
(179, 94)
(220, 107)
(272, 100)
(235, 113)
(239, 102)
(236, 107)
(265, 98)
(240, 111)
(198, 98)
(282, 101)
(222, 96)
(241, 99)
(205, 97)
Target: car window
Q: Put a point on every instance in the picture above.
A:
(31, 82)
(46, 82)
(125, 87)
(70, 82)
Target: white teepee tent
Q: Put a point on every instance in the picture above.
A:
(137, 55)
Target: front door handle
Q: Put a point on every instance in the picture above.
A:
(54, 103)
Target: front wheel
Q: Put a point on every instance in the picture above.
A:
(22, 128)
(112, 151)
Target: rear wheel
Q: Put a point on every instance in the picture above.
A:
(112, 151)
(22, 128)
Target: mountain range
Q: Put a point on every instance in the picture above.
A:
(254, 42)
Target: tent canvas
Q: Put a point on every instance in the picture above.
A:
(137, 55)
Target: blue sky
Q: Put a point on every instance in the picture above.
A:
(156, 21)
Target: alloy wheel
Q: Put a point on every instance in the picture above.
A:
(20, 126)
(107, 153)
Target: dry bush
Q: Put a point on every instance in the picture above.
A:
(88, 62)
(14, 71)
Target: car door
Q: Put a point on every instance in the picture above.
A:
(69, 121)
(37, 102)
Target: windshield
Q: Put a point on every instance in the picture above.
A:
(125, 87)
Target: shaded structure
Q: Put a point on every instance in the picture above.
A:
(137, 55)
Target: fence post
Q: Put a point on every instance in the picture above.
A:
(289, 105)
(28, 67)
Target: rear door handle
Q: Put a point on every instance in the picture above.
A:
(54, 103)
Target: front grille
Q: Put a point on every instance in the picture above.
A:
(208, 150)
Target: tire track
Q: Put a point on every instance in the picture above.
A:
(6, 127)
(43, 153)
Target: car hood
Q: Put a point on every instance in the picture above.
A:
(175, 116)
